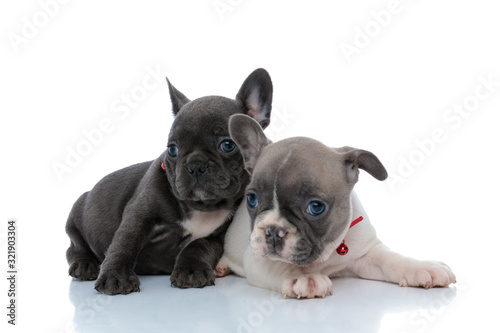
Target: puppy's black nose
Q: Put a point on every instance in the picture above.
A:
(197, 168)
(275, 235)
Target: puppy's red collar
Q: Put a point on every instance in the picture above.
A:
(343, 249)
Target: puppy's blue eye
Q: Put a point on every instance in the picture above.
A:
(252, 200)
(315, 208)
(227, 146)
(172, 150)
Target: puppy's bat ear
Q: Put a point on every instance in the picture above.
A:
(256, 96)
(356, 159)
(178, 99)
(249, 137)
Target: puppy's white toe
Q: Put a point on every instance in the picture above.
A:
(308, 286)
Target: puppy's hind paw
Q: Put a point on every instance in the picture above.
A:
(84, 270)
(308, 286)
(222, 270)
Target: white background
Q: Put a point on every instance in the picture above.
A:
(66, 68)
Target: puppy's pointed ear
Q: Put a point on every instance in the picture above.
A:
(256, 96)
(356, 159)
(178, 99)
(249, 137)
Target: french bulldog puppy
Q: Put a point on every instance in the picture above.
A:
(302, 224)
(169, 215)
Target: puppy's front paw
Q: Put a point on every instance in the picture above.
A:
(308, 286)
(84, 270)
(117, 282)
(427, 274)
(195, 275)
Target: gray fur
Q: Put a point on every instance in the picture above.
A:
(291, 174)
(133, 220)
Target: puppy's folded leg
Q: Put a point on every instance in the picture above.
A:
(194, 267)
(380, 263)
(83, 263)
(117, 274)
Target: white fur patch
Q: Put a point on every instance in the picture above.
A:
(202, 224)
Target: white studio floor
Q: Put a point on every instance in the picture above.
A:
(235, 306)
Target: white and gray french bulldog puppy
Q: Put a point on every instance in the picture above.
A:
(169, 215)
(302, 224)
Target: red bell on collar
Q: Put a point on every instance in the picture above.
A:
(343, 249)
(163, 166)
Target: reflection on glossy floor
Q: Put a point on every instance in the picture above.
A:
(234, 306)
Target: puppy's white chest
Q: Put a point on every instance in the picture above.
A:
(201, 224)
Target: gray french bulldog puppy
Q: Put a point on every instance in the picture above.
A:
(169, 215)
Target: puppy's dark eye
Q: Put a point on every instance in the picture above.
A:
(227, 146)
(315, 208)
(252, 200)
(172, 150)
